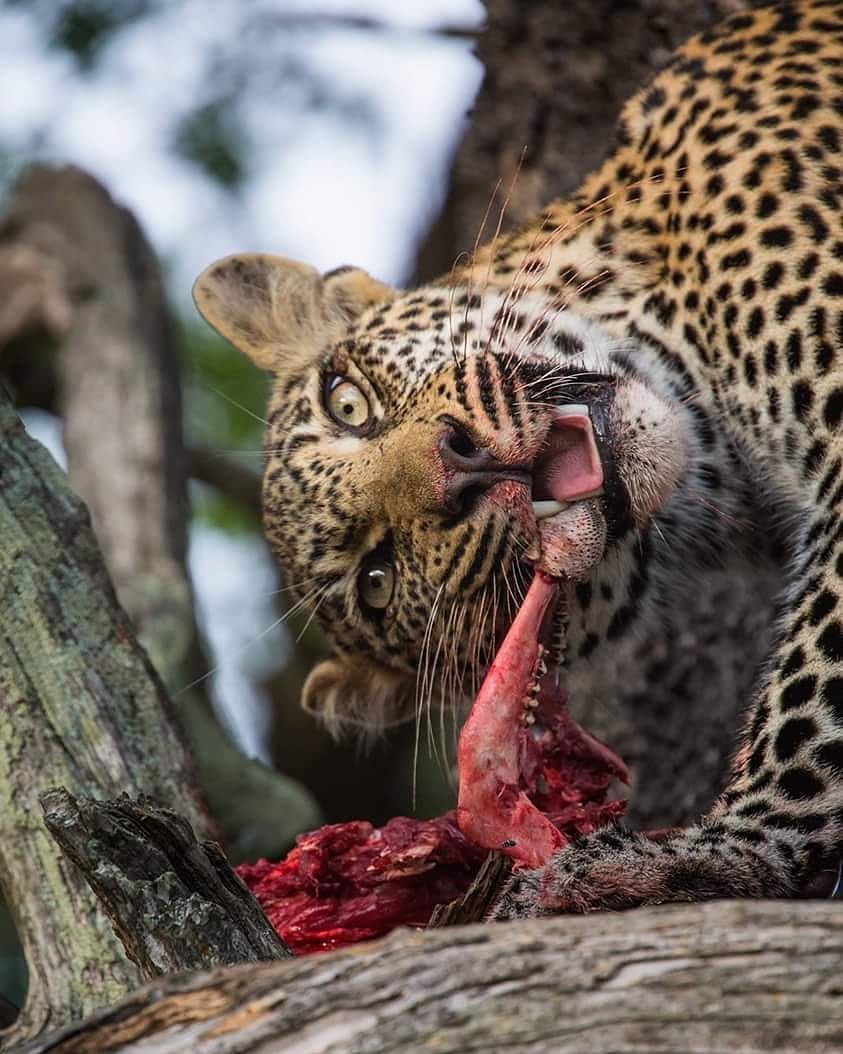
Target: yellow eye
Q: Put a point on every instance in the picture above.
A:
(376, 583)
(348, 405)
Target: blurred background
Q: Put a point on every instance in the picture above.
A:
(322, 132)
(335, 131)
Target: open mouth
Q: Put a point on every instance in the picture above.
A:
(529, 776)
(568, 468)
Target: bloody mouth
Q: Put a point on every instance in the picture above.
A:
(530, 778)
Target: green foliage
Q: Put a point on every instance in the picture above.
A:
(212, 137)
(84, 28)
(225, 395)
(211, 507)
(224, 401)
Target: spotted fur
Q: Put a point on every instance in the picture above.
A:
(691, 292)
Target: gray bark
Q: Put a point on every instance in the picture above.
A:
(749, 977)
(174, 902)
(82, 707)
(117, 392)
(75, 263)
(556, 75)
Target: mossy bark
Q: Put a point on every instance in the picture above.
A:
(76, 263)
(174, 901)
(82, 707)
(754, 977)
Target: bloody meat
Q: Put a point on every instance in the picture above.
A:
(526, 790)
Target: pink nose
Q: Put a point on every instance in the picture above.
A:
(468, 469)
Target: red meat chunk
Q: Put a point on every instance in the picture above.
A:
(349, 882)
(524, 787)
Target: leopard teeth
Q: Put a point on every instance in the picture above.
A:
(544, 509)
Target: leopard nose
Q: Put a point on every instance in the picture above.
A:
(469, 469)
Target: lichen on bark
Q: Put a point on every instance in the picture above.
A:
(81, 707)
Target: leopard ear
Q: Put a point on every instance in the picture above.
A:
(280, 312)
(344, 692)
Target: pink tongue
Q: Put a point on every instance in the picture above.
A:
(570, 465)
(491, 809)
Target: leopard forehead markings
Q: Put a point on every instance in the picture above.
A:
(700, 270)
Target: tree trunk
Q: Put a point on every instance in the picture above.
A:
(556, 75)
(118, 395)
(174, 902)
(115, 382)
(725, 976)
(83, 708)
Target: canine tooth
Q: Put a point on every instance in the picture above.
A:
(529, 719)
(569, 409)
(543, 509)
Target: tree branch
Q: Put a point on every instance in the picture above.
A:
(320, 21)
(83, 708)
(65, 241)
(174, 903)
(118, 393)
(231, 479)
(724, 976)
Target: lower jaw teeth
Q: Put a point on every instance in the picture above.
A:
(543, 509)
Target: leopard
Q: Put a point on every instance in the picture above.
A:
(652, 367)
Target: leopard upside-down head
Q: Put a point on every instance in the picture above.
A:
(414, 442)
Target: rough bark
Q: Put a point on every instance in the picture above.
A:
(118, 393)
(174, 902)
(75, 263)
(82, 707)
(474, 904)
(726, 976)
(556, 74)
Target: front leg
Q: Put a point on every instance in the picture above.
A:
(781, 816)
(617, 869)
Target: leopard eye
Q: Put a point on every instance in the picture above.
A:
(376, 584)
(347, 404)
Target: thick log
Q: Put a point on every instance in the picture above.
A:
(65, 243)
(724, 977)
(117, 390)
(82, 707)
(174, 902)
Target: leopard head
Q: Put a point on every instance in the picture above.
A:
(418, 443)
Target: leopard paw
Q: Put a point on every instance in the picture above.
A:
(616, 869)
